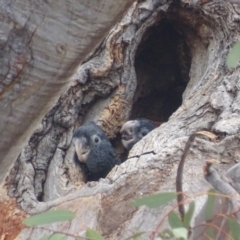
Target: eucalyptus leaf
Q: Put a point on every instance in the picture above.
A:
(210, 204)
(210, 233)
(166, 234)
(174, 220)
(135, 236)
(155, 200)
(234, 228)
(58, 236)
(233, 57)
(45, 237)
(180, 232)
(188, 216)
(49, 217)
(93, 235)
(209, 211)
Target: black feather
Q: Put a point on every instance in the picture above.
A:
(133, 131)
(102, 156)
(145, 123)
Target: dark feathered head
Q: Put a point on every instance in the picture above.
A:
(134, 130)
(94, 152)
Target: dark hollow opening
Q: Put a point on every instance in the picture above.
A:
(162, 65)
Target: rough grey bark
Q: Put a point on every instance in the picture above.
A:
(113, 84)
(41, 44)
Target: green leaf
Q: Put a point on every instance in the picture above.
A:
(49, 217)
(209, 210)
(210, 233)
(174, 220)
(55, 236)
(188, 216)
(233, 57)
(93, 235)
(45, 237)
(234, 228)
(180, 232)
(58, 236)
(135, 236)
(155, 200)
(166, 234)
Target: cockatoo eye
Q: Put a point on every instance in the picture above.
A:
(96, 139)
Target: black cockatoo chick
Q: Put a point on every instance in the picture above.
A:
(93, 152)
(134, 130)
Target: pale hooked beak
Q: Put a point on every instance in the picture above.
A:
(81, 148)
(127, 134)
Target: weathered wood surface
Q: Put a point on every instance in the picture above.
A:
(107, 86)
(41, 44)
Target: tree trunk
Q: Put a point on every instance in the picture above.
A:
(41, 45)
(164, 61)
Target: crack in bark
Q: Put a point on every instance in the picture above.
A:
(145, 153)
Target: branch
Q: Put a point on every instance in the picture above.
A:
(91, 189)
(221, 184)
(179, 189)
